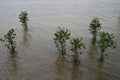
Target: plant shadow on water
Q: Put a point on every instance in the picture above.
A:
(10, 68)
(61, 67)
(66, 70)
(26, 38)
(76, 74)
(98, 72)
(13, 63)
(93, 51)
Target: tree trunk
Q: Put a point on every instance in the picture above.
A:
(63, 49)
(12, 47)
(12, 50)
(102, 56)
(76, 60)
(94, 38)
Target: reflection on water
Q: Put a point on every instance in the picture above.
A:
(10, 69)
(66, 71)
(26, 38)
(76, 74)
(13, 62)
(61, 67)
(98, 72)
(93, 50)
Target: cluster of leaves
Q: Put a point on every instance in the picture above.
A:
(60, 38)
(9, 41)
(105, 41)
(23, 19)
(76, 45)
(94, 29)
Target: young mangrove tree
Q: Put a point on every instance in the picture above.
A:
(24, 19)
(9, 40)
(94, 29)
(76, 46)
(60, 38)
(105, 41)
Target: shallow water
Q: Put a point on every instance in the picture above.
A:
(38, 58)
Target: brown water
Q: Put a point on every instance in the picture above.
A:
(38, 58)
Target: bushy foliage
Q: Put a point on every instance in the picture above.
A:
(24, 19)
(9, 41)
(94, 29)
(105, 41)
(60, 38)
(76, 46)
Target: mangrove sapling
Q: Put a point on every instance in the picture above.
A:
(94, 29)
(24, 19)
(105, 41)
(9, 41)
(60, 38)
(76, 46)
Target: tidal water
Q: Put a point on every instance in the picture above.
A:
(38, 58)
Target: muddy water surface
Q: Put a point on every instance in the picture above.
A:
(38, 58)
